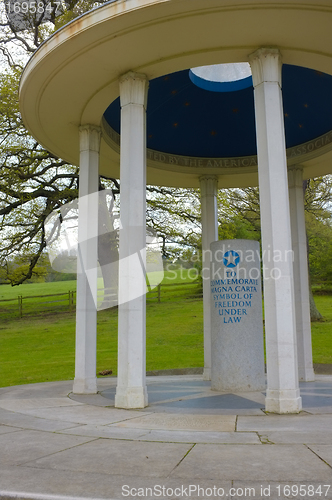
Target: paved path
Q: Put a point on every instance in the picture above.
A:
(53, 443)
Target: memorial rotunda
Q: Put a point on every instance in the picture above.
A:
(120, 91)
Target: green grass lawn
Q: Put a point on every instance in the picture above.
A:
(42, 348)
(31, 289)
(322, 331)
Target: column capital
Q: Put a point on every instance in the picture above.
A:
(133, 89)
(295, 176)
(266, 66)
(89, 137)
(295, 167)
(208, 177)
(208, 185)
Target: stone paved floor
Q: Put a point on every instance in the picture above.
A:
(54, 444)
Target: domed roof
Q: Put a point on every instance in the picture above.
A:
(183, 119)
(72, 80)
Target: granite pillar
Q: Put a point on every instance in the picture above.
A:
(283, 394)
(131, 388)
(209, 211)
(85, 381)
(301, 278)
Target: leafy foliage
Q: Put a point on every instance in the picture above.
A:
(33, 182)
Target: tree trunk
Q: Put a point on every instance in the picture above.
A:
(315, 315)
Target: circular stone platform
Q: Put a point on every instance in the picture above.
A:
(55, 447)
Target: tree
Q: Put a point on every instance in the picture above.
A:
(318, 196)
(34, 183)
(244, 206)
(175, 216)
(320, 249)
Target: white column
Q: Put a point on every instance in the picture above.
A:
(85, 381)
(301, 279)
(282, 395)
(131, 389)
(209, 216)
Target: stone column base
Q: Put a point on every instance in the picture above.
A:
(207, 374)
(283, 401)
(131, 397)
(306, 375)
(85, 385)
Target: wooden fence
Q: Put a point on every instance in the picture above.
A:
(66, 301)
(171, 291)
(27, 303)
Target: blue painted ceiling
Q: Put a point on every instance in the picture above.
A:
(186, 120)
